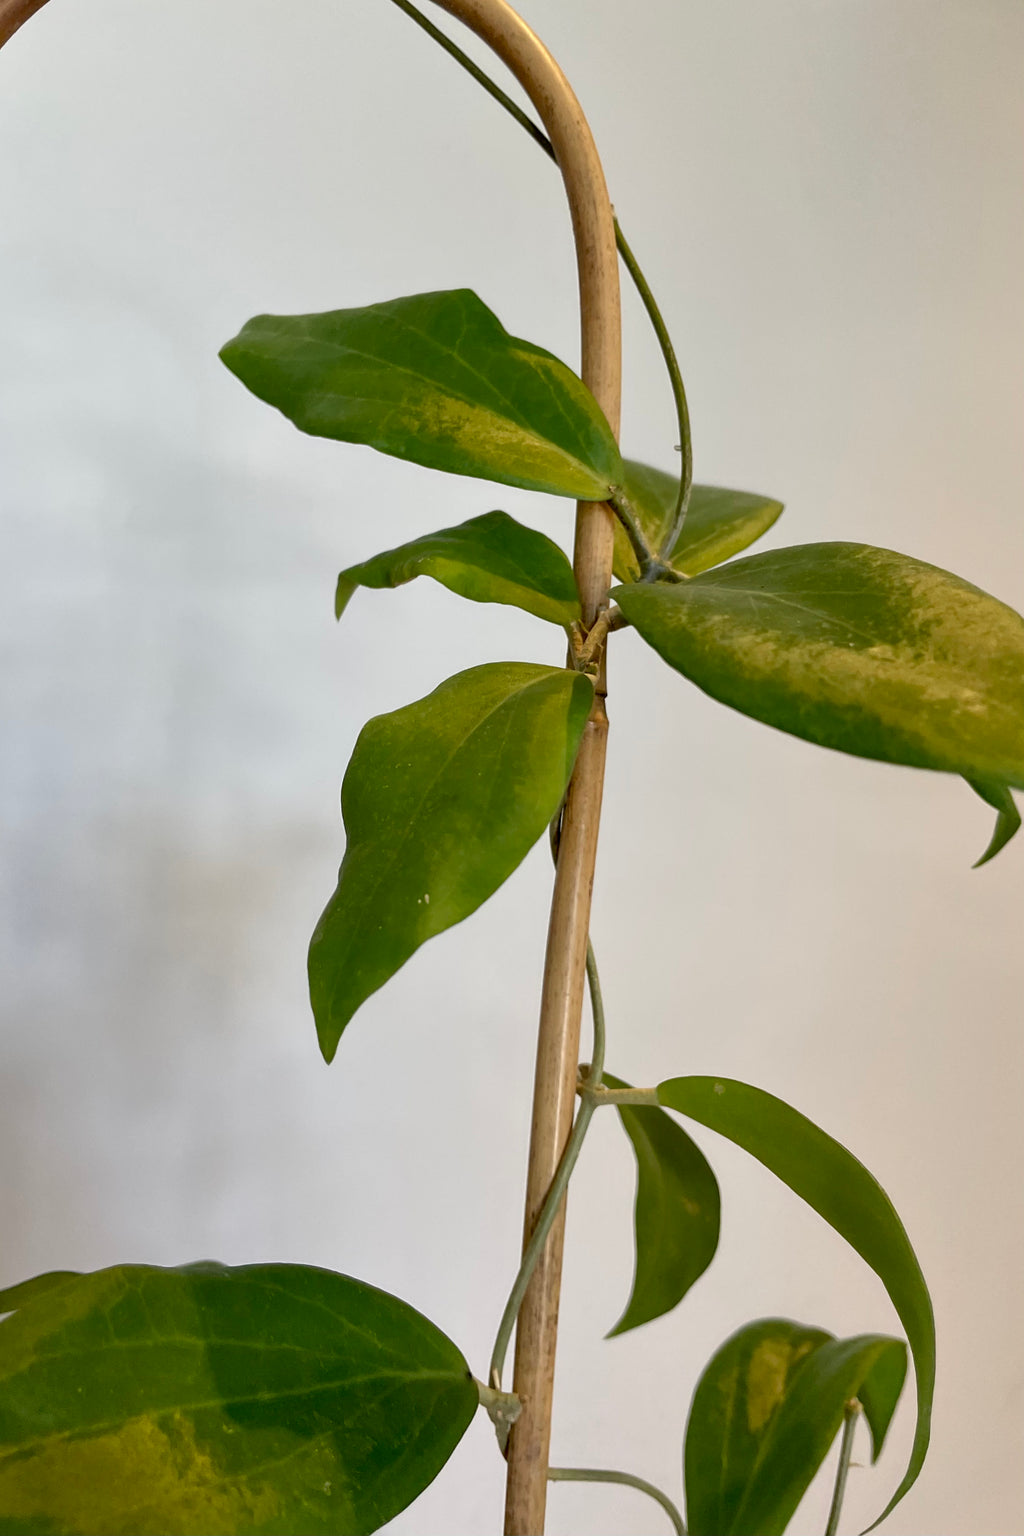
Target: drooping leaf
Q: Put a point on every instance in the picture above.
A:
(719, 523)
(1007, 815)
(676, 1218)
(763, 1417)
(831, 1180)
(207, 1401)
(441, 800)
(852, 647)
(491, 559)
(434, 378)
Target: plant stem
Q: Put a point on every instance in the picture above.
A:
(625, 251)
(565, 961)
(598, 1475)
(597, 1095)
(850, 1417)
(668, 352)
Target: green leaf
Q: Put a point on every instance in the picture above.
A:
(16, 1296)
(434, 378)
(763, 1417)
(676, 1219)
(1007, 818)
(718, 524)
(879, 1394)
(839, 1188)
(855, 648)
(442, 800)
(491, 559)
(207, 1401)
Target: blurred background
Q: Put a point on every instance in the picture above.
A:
(827, 201)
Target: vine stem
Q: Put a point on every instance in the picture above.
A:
(556, 1189)
(850, 1416)
(625, 1480)
(562, 994)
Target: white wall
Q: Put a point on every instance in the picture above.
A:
(828, 201)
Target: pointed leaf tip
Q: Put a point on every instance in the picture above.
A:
(1007, 825)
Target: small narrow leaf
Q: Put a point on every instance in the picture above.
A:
(442, 800)
(1007, 825)
(831, 1180)
(491, 559)
(676, 1218)
(207, 1401)
(434, 378)
(879, 1394)
(763, 1417)
(719, 523)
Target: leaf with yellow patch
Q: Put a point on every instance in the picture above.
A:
(719, 523)
(207, 1401)
(437, 379)
(764, 1415)
(855, 648)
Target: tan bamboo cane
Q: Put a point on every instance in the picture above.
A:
(562, 998)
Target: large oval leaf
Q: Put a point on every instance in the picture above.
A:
(831, 1180)
(676, 1216)
(207, 1401)
(719, 523)
(763, 1417)
(441, 801)
(437, 379)
(852, 647)
(491, 559)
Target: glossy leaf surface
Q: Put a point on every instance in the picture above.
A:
(442, 800)
(855, 648)
(719, 523)
(490, 559)
(832, 1181)
(207, 1401)
(434, 378)
(676, 1216)
(763, 1417)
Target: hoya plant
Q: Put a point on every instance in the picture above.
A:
(283, 1398)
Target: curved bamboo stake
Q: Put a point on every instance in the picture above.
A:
(562, 997)
(14, 13)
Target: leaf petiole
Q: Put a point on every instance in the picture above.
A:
(850, 1417)
(627, 1480)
